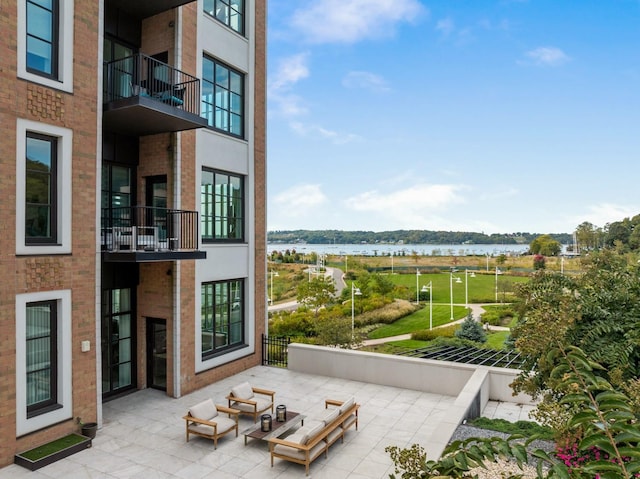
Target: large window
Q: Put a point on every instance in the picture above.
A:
(222, 97)
(41, 189)
(42, 354)
(118, 341)
(222, 206)
(222, 316)
(45, 42)
(229, 12)
(42, 37)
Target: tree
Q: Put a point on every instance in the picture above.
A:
(539, 262)
(334, 330)
(545, 245)
(588, 236)
(316, 293)
(472, 330)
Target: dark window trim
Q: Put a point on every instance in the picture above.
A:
(230, 347)
(241, 239)
(243, 111)
(53, 238)
(50, 404)
(55, 41)
(242, 29)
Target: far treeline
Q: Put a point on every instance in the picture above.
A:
(407, 237)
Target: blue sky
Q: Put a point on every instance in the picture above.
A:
(464, 115)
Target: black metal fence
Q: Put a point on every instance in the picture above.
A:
(149, 229)
(142, 76)
(275, 351)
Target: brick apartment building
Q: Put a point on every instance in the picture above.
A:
(132, 183)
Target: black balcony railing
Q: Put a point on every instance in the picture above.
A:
(142, 76)
(146, 229)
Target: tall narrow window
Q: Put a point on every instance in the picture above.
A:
(222, 97)
(42, 37)
(229, 12)
(222, 206)
(41, 361)
(41, 189)
(222, 316)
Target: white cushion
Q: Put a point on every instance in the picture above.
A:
(224, 424)
(297, 453)
(347, 404)
(330, 416)
(242, 391)
(204, 410)
(261, 405)
(314, 430)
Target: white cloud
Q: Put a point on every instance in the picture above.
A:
(299, 200)
(601, 214)
(445, 26)
(547, 56)
(416, 207)
(349, 21)
(365, 80)
(315, 131)
(290, 71)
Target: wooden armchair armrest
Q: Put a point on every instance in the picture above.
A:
(274, 440)
(228, 410)
(214, 425)
(332, 402)
(245, 401)
(265, 392)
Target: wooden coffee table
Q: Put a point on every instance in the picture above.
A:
(277, 428)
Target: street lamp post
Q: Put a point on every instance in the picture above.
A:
(466, 286)
(272, 273)
(458, 280)
(425, 288)
(417, 286)
(392, 262)
(497, 273)
(354, 292)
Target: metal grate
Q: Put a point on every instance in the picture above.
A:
(470, 355)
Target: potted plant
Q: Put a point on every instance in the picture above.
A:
(88, 429)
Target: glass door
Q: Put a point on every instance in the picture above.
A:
(157, 353)
(118, 341)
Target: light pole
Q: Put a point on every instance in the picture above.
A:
(417, 287)
(458, 280)
(392, 262)
(425, 288)
(272, 273)
(354, 292)
(497, 273)
(466, 286)
(487, 255)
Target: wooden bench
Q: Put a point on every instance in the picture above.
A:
(313, 440)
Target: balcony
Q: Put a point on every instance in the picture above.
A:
(143, 96)
(146, 8)
(141, 234)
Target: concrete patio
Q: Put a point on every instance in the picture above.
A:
(143, 433)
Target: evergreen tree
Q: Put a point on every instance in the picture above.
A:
(472, 330)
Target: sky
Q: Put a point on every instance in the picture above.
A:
(494, 116)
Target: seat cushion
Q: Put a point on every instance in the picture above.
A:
(205, 410)
(224, 425)
(261, 405)
(242, 391)
(297, 453)
(347, 404)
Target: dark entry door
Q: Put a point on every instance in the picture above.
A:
(157, 353)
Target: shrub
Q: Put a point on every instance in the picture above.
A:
(472, 330)
(430, 334)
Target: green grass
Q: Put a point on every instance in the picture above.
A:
(419, 320)
(526, 428)
(496, 340)
(52, 447)
(480, 289)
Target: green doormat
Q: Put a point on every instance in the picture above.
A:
(52, 451)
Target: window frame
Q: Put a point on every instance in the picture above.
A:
(231, 220)
(228, 309)
(64, 187)
(215, 4)
(63, 54)
(52, 238)
(51, 403)
(29, 421)
(54, 42)
(228, 110)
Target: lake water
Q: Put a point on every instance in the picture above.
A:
(401, 249)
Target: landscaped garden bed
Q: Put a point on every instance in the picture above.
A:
(52, 451)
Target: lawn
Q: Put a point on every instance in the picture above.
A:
(419, 320)
(496, 340)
